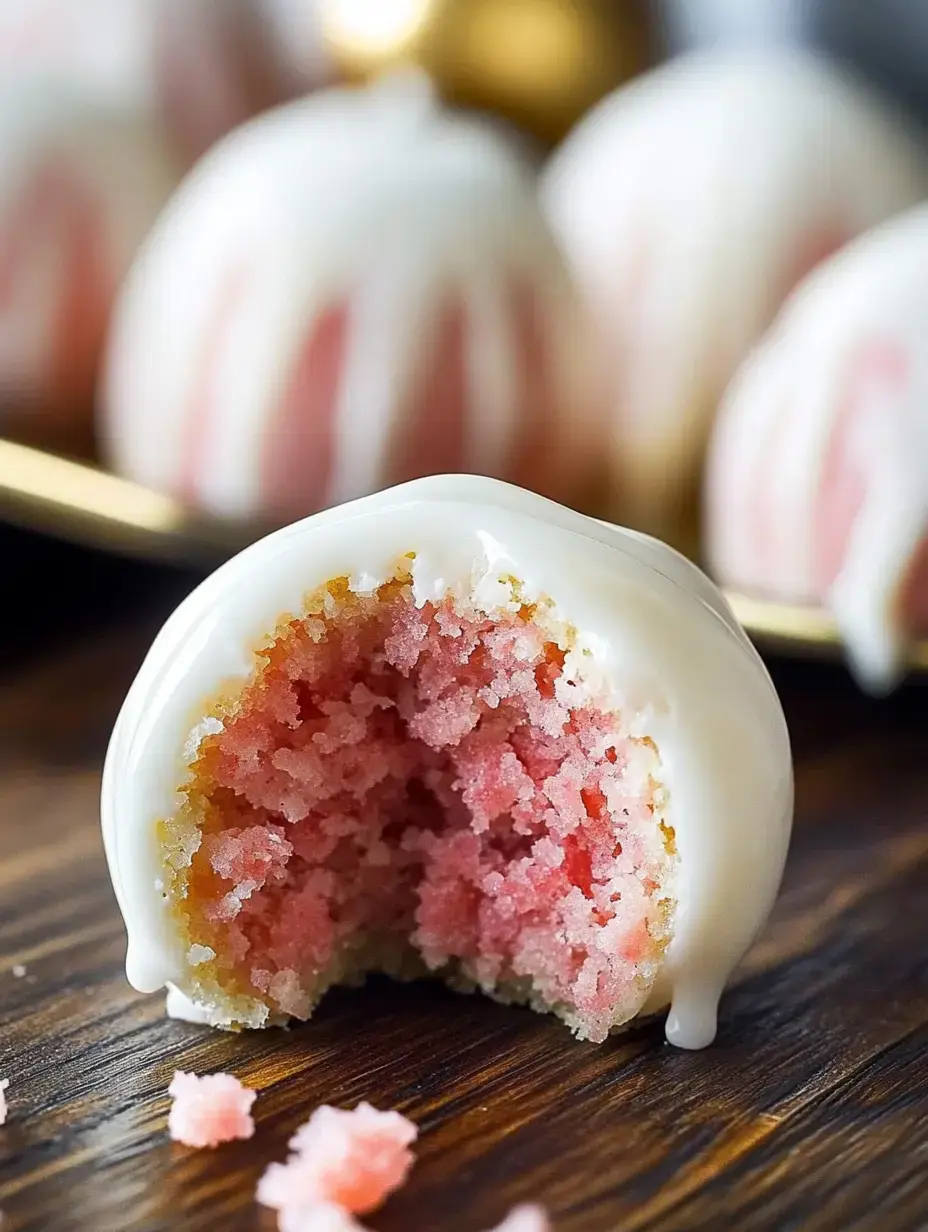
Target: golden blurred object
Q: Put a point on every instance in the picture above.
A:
(79, 503)
(538, 63)
(799, 630)
(808, 632)
(85, 505)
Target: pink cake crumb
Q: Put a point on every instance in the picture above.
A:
(525, 1218)
(433, 783)
(353, 1160)
(209, 1110)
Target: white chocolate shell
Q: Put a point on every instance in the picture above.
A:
(817, 487)
(349, 292)
(689, 204)
(651, 633)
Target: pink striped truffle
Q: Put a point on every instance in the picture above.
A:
(352, 291)
(818, 477)
(209, 1110)
(353, 1160)
(690, 203)
(200, 66)
(79, 187)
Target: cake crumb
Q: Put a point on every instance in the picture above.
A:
(416, 779)
(209, 1110)
(353, 1160)
(4, 1083)
(525, 1218)
(19, 970)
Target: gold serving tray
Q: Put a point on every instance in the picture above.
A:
(84, 504)
(79, 502)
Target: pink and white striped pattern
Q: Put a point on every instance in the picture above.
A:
(200, 66)
(79, 188)
(817, 487)
(690, 203)
(353, 291)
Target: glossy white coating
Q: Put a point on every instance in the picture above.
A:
(689, 203)
(659, 636)
(846, 359)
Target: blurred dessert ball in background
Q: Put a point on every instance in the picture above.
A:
(80, 185)
(817, 485)
(348, 292)
(201, 66)
(690, 203)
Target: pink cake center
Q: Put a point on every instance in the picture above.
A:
(398, 781)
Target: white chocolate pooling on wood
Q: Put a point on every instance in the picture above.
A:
(658, 631)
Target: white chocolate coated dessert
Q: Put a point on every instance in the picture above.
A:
(817, 488)
(351, 291)
(650, 637)
(689, 204)
(80, 185)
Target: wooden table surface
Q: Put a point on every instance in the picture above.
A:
(811, 1110)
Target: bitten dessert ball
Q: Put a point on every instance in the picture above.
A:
(352, 291)
(79, 186)
(452, 728)
(690, 203)
(818, 473)
(200, 66)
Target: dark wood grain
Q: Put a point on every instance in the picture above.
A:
(811, 1111)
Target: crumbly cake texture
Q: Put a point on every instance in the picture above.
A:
(349, 1160)
(209, 1110)
(421, 788)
